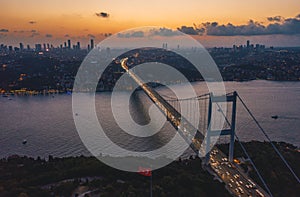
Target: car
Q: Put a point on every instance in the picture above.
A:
(236, 176)
(259, 193)
(224, 159)
(240, 189)
(251, 183)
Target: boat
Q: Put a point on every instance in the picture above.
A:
(274, 117)
(24, 141)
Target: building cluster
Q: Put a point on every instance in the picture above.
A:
(67, 45)
(46, 69)
(250, 62)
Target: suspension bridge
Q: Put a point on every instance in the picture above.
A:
(201, 137)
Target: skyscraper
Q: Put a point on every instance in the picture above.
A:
(38, 47)
(21, 46)
(92, 43)
(78, 45)
(69, 44)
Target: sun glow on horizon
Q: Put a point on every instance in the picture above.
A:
(57, 20)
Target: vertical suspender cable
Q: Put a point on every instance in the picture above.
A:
(265, 134)
(246, 153)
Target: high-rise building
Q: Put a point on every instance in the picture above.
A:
(78, 45)
(234, 47)
(92, 43)
(248, 43)
(69, 44)
(38, 47)
(165, 45)
(21, 46)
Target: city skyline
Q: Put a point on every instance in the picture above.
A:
(76, 45)
(224, 25)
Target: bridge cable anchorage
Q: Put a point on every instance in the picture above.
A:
(246, 153)
(268, 138)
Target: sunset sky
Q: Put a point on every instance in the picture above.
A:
(54, 21)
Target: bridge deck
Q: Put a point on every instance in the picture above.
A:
(237, 182)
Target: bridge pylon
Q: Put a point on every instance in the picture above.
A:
(215, 102)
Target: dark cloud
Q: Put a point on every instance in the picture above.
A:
(188, 30)
(48, 36)
(102, 15)
(91, 36)
(252, 28)
(191, 30)
(32, 22)
(34, 34)
(152, 32)
(107, 34)
(19, 31)
(275, 19)
(135, 34)
(282, 26)
(25, 31)
(4, 30)
(163, 32)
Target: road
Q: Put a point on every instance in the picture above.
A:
(237, 182)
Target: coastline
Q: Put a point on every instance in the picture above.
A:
(64, 176)
(25, 92)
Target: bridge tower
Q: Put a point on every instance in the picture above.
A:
(215, 100)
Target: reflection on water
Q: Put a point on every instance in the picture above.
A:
(47, 124)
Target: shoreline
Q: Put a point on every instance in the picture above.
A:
(25, 92)
(65, 176)
(287, 144)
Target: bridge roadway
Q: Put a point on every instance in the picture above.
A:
(237, 182)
